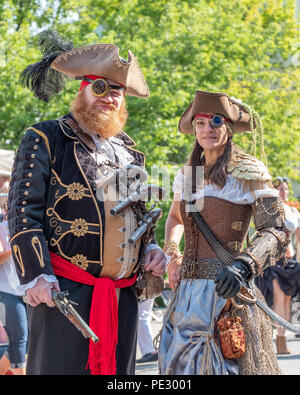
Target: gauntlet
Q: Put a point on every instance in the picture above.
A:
(271, 239)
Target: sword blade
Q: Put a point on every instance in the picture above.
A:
(275, 317)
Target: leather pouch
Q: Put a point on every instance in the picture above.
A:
(231, 335)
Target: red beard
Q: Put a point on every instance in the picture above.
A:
(104, 123)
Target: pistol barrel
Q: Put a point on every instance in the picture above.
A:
(66, 308)
(144, 194)
(149, 220)
(122, 206)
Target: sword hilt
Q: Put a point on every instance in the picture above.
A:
(245, 294)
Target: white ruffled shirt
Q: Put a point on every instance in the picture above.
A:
(232, 190)
(235, 193)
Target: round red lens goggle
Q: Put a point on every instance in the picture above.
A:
(100, 86)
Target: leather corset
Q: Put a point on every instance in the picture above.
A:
(228, 221)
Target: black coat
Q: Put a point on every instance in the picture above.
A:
(51, 186)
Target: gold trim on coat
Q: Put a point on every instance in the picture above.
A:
(25, 231)
(35, 241)
(93, 197)
(17, 252)
(42, 134)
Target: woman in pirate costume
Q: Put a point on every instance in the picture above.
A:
(63, 236)
(281, 282)
(235, 186)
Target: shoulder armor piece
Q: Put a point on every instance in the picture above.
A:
(249, 169)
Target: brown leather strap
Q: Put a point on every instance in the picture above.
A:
(223, 255)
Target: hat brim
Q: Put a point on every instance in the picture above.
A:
(104, 60)
(215, 103)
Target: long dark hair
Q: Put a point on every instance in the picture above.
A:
(217, 173)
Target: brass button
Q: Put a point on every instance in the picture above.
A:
(234, 245)
(24, 220)
(31, 165)
(37, 140)
(28, 184)
(24, 202)
(35, 147)
(26, 193)
(32, 156)
(29, 174)
(22, 210)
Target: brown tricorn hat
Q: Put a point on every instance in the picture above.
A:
(103, 60)
(216, 103)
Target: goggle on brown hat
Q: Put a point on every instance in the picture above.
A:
(103, 60)
(239, 117)
(61, 60)
(217, 104)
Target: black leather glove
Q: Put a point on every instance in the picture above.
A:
(231, 278)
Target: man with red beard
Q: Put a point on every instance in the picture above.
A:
(63, 237)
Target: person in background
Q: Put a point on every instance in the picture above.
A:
(4, 361)
(14, 308)
(145, 335)
(281, 282)
(297, 234)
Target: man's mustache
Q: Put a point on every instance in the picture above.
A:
(110, 106)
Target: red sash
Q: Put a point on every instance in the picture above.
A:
(103, 313)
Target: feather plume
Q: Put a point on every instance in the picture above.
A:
(40, 77)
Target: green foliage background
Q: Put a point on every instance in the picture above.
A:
(246, 48)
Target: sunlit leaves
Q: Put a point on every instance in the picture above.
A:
(246, 48)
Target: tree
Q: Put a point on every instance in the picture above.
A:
(245, 48)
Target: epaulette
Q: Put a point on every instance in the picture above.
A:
(249, 170)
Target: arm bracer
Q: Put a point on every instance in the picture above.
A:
(271, 239)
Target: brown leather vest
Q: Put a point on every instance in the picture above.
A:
(228, 221)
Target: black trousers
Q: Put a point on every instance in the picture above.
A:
(56, 347)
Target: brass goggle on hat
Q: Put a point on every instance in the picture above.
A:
(100, 87)
(215, 120)
(218, 104)
(62, 61)
(238, 116)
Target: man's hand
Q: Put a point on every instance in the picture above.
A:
(155, 260)
(41, 293)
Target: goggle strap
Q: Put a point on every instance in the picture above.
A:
(117, 87)
(210, 116)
